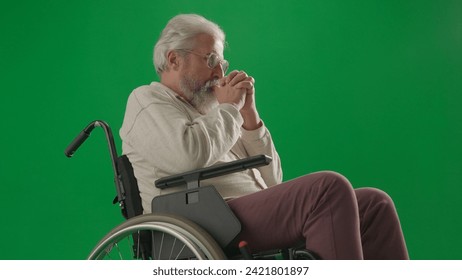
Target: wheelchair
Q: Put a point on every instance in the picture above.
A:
(194, 224)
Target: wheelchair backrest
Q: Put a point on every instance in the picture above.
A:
(129, 199)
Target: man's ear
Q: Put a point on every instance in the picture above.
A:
(173, 60)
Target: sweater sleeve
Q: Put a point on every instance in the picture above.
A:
(170, 138)
(259, 142)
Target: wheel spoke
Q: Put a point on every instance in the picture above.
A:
(118, 250)
(138, 244)
(153, 246)
(161, 246)
(181, 251)
(171, 251)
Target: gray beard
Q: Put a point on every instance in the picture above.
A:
(200, 97)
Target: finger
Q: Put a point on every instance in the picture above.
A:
(231, 76)
(250, 80)
(241, 76)
(245, 84)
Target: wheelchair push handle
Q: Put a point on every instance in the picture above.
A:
(84, 134)
(78, 141)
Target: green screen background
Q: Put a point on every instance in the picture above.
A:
(371, 89)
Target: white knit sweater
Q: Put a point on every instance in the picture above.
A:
(163, 135)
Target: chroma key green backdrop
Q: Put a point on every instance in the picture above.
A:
(371, 89)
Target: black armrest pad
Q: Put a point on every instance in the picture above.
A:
(213, 171)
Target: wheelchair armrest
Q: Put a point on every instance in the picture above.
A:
(192, 178)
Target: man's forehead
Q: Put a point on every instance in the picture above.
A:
(208, 44)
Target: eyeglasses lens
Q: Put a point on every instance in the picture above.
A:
(214, 60)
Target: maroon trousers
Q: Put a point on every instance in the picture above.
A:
(324, 211)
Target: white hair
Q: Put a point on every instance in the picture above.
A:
(179, 33)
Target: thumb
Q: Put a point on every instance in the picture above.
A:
(222, 82)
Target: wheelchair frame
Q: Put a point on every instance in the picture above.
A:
(174, 232)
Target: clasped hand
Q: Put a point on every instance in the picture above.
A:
(237, 88)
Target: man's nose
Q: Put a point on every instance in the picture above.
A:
(218, 72)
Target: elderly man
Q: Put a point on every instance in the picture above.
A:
(196, 117)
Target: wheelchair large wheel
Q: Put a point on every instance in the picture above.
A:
(162, 237)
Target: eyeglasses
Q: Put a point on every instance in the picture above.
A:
(212, 60)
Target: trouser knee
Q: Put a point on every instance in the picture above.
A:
(327, 186)
(375, 195)
(374, 198)
(337, 184)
